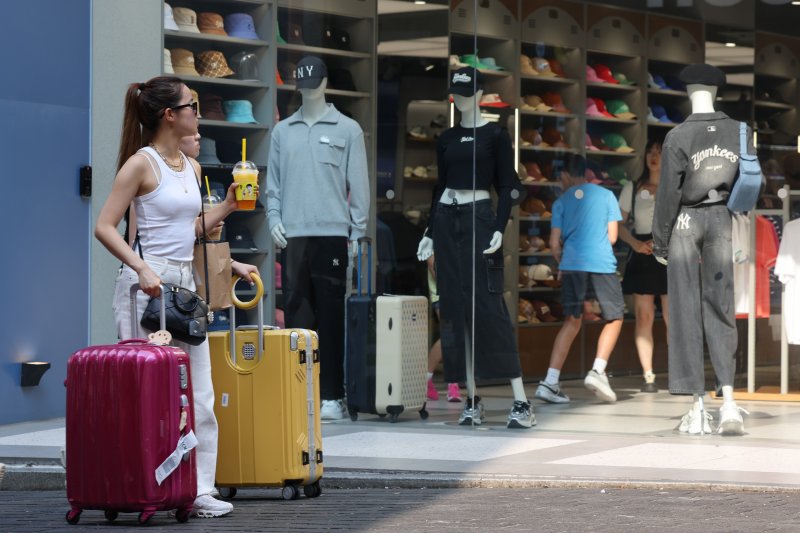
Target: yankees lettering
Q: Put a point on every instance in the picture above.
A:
(698, 157)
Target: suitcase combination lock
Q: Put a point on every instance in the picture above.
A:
(248, 351)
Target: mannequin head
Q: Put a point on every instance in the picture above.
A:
(315, 94)
(702, 97)
(702, 82)
(467, 104)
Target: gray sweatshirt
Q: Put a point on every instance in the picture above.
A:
(699, 164)
(317, 180)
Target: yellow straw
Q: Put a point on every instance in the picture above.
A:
(208, 189)
(244, 149)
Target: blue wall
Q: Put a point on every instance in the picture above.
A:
(44, 223)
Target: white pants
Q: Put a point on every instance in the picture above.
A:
(205, 423)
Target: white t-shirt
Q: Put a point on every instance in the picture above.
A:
(787, 268)
(645, 206)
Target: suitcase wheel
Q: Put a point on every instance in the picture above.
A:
(182, 515)
(423, 413)
(313, 490)
(353, 415)
(393, 417)
(227, 493)
(290, 492)
(111, 515)
(145, 516)
(73, 515)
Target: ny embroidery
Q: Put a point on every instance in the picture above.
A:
(683, 221)
(466, 139)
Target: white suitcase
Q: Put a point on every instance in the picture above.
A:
(401, 360)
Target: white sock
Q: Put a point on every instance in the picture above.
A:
(599, 365)
(727, 394)
(430, 375)
(552, 376)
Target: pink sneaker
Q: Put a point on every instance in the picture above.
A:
(433, 394)
(453, 393)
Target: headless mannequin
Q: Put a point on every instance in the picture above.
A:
(470, 117)
(702, 98)
(314, 107)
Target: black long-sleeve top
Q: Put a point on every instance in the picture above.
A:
(699, 156)
(494, 167)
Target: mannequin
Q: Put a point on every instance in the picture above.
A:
(451, 215)
(692, 226)
(318, 204)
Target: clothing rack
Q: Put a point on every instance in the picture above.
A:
(786, 195)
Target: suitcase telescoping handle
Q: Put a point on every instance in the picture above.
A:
(256, 302)
(368, 242)
(135, 311)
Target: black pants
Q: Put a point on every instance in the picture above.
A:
(496, 354)
(314, 274)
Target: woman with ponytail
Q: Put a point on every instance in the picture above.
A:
(162, 184)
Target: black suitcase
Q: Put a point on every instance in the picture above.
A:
(360, 337)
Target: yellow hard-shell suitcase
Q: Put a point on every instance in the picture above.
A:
(267, 406)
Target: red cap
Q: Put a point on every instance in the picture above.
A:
(553, 99)
(601, 106)
(604, 73)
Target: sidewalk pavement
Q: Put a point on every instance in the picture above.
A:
(586, 444)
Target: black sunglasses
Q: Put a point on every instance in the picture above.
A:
(193, 105)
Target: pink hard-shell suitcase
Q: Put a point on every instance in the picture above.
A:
(129, 413)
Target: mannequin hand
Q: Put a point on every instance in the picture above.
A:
(495, 243)
(425, 248)
(243, 270)
(279, 235)
(662, 260)
(352, 248)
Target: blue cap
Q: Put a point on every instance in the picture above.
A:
(660, 113)
(208, 152)
(239, 111)
(240, 25)
(659, 80)
(675, 84)
(674, 115)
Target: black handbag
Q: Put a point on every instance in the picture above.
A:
(186, 314)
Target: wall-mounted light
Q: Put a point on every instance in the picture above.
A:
(420, 2)
(730, 45)
(32, 373)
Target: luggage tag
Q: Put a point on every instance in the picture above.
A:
(185, 444)
(161, 337)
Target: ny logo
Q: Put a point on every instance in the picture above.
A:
(335, 262)
(683, 221)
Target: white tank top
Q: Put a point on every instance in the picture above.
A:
(166, 216)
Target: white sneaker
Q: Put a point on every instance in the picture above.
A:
(206, 506)
(598, 384)
(332, 410)
(551, 393)
(690, 422)
(730, 419)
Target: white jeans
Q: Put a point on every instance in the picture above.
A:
(205, 423)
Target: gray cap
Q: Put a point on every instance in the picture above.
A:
(702, 74)
(208, 152)
(245, 66)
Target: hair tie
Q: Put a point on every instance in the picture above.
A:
(141, 87)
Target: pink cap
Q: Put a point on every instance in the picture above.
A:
(589, 146)
(591, 74)
(591, 109)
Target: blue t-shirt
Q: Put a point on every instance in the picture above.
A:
(584, 228)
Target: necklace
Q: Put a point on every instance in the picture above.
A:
(176, 167)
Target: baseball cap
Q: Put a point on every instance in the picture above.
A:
(209, 22)
(619, 109)
(465, 81)
(604, 73)
(535, 103)
(598, 141)
(591, 108)
(341, 79)
(472, 60)
(534, 171)
(531, 136)
(240, 25)
(591, 74)
(542, 67)
(295, 35)
(623, 79)
(239, 111)
(525, 312)
(212, 63)
(601, 107)
(674, 115)
(658, 81)
(245, 66)
(542, 311)
(335, 38)
(617, 142)
(588, 142)
(525, 65)
(186, 19)
(169, 19)
(553, 137)
(553, 99)
(208, 152)
(660, 113)
(492, 100)
(183, 62)
(239, 236)
(309, 72)
(618, 174)
(168, 62)
(676, 84)
(287, 71)
(491, 63)
(556, 67)
(211, 104)
(703, 74)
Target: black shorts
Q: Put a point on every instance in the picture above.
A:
(578, 286)
(643, 274)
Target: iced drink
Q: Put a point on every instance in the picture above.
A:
(210, 202)
(245, 173)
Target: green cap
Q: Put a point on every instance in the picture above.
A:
(617, 142)
(473, 61)
(622, 79)
(618, 174)
(619, 109)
